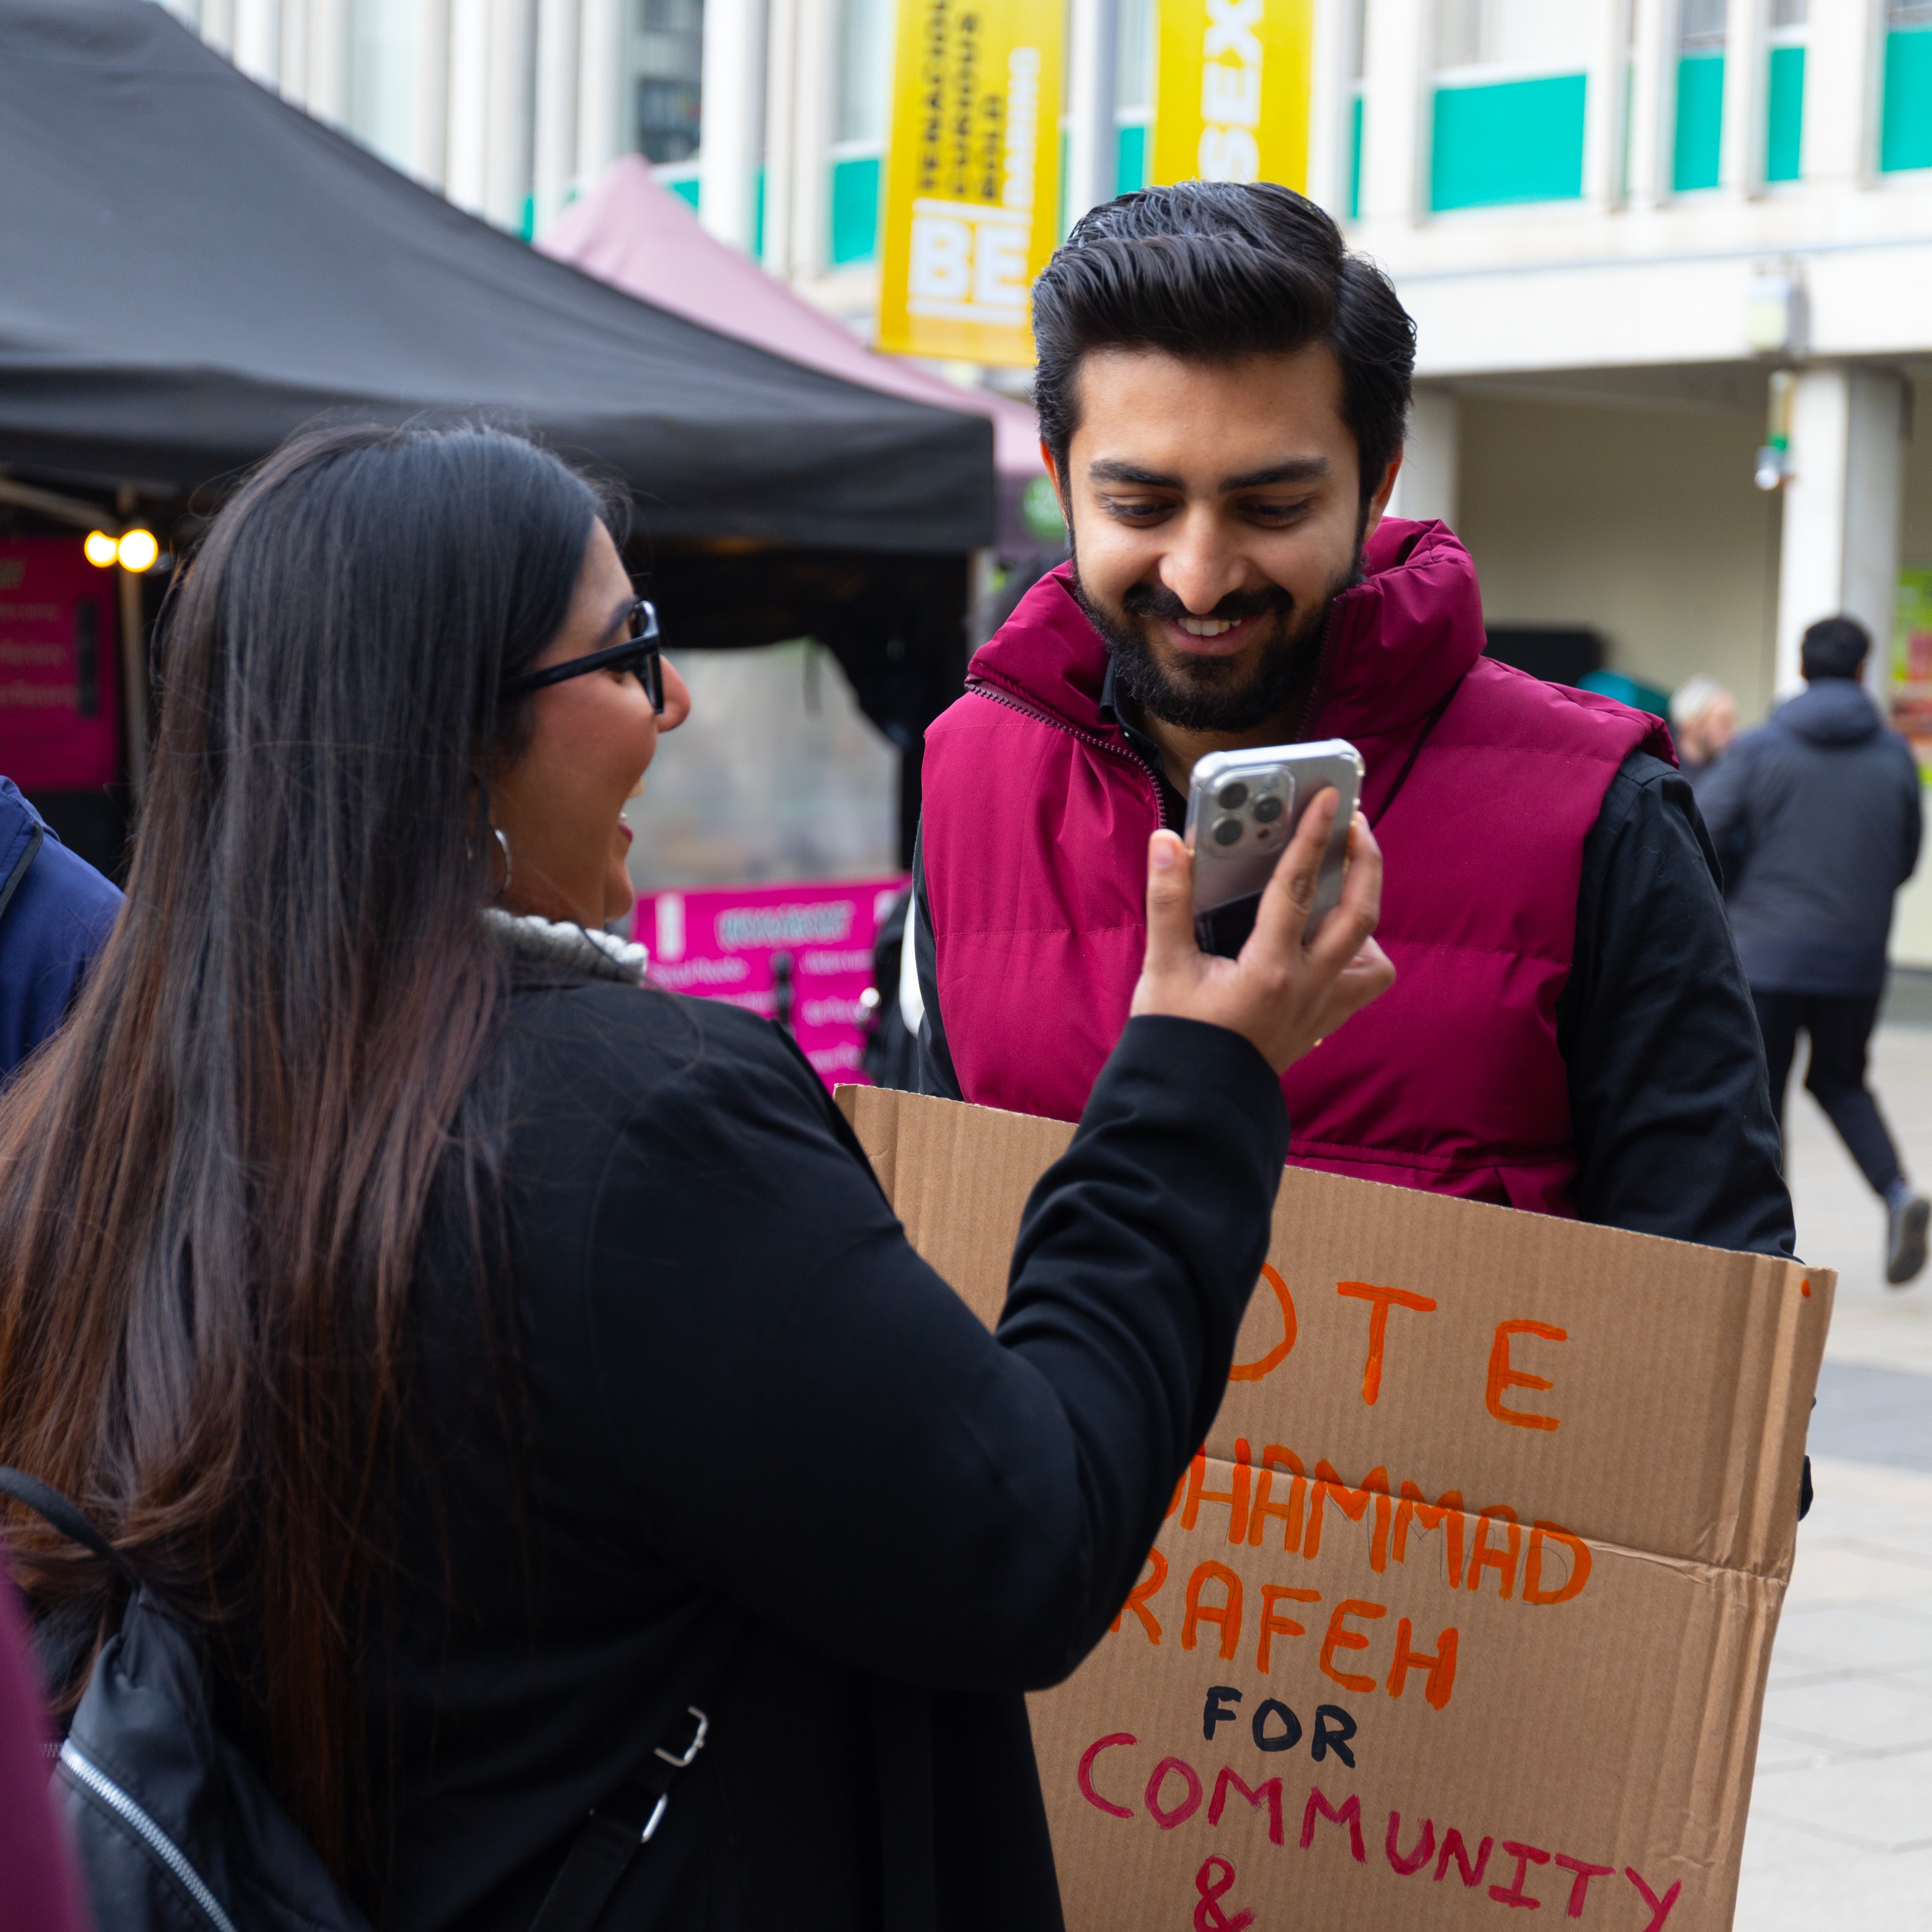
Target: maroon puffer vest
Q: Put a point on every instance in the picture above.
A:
(1036, 819)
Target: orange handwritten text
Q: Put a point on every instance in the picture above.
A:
(1503, 1378)
(1380, 1300)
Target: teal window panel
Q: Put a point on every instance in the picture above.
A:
(685, 189)
(1520, 140)
(1512, 142)
(1698, 146)
(1906, 139)
(758, 218)
(855, 209)
(1784, 121)
(1129, 160)
(1355, 159)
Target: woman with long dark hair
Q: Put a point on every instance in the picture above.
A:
(482, 1352)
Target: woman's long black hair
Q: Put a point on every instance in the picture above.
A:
(213, 1184)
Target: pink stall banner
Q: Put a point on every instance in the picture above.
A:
(803, 953)
(59, 709)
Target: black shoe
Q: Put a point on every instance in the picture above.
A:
(1905, 1239)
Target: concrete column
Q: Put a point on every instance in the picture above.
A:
(1328, 108)
(1740, 163)
(553, 158)
(781, 132)
(1604, 106)
(732, 138)
(432, 92)
(600, 136)
(1398, 61)
(1844, 53)
(292, 42)
(328, 97)
(1840, 551)
(1425, 487)
(466, 177)
(1092, 64)
(258, 35)
(815, 81)
(1653, 104)
(217, 21)
(510, 112)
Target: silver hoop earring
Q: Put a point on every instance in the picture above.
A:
(502, 839)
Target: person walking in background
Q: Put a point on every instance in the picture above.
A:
(1703, 723)
(56, 913)
(1816, 817)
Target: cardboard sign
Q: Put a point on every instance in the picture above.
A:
(972, 205)
(806, 949)
(1467, 1603)
(59, 711)
(1231, 95)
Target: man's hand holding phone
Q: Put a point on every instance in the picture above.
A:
(1282, 996)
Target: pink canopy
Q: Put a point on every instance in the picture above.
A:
(633, 232)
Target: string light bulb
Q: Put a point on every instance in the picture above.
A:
(137, 550)
(99, 549)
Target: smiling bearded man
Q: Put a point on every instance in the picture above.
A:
(1223, 391)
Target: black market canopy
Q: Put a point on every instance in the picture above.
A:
(189, 268)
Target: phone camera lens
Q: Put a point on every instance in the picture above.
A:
(1267, 809)
(1227, 831)
(1231, 798)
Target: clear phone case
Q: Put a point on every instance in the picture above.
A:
(1242, 810)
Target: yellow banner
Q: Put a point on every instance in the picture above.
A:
(1231, 100)
(973, 177)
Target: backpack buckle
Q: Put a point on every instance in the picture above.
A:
(691, 1750)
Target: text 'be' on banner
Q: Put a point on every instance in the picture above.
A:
(973, 180)
(1232, 94)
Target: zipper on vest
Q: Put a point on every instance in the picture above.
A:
(1099, 743)
(160, 1847)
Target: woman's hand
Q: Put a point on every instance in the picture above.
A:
(1282, 996)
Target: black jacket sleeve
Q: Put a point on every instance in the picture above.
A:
(880, 1477)
(935, 1071)
(1676, 1134)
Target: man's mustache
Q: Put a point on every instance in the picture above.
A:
(1156, 600)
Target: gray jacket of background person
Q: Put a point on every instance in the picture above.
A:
(1816, 817)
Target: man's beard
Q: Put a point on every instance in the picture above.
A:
(1204, 693)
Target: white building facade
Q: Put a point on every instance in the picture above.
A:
(1615, 222)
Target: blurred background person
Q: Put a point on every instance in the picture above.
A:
(1703, 724)
(56, 913)
(1816, 816)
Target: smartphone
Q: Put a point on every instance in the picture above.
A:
(1242, 810)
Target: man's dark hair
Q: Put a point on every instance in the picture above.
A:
(1835, 647)
(1212, 271)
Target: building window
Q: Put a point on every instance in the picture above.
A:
(1355, 25)
(862, 122)
(1133, 95)
(1698, 148)
(1906, 140)
(667, 64)
(381, 100)
(1511, 86)
(1784, 93)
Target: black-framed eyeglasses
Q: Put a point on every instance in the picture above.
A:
(640, 652)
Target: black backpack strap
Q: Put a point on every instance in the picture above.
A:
(66, 1517)
(624, 1822)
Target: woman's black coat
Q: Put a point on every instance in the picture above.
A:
(741, 1410)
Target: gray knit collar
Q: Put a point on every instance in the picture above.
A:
(545, 942)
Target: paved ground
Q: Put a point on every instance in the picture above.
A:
(1841, 1816)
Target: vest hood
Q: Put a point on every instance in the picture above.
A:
(1397, 642)
(1834, 711)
